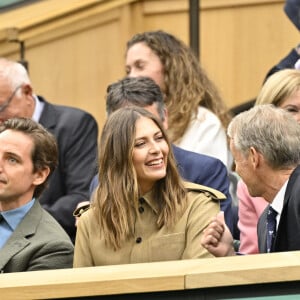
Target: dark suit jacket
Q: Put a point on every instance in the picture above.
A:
(76, 132)
(288, 232)
(203, 170)
(288, 62)
(38, 243)
(292, 10)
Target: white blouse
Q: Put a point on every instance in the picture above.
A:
(206, 135)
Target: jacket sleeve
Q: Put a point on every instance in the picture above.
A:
(78, 155)
(249, 210)
(217, 178)
(82, 253)
(202, 210)
(53, 255)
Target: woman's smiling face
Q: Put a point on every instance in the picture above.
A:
(150, 153)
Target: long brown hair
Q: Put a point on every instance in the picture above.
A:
(116, 199)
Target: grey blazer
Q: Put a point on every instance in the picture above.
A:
(38, 243)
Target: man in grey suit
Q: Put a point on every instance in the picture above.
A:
(265, 143)
(31, 239)
(76, 133)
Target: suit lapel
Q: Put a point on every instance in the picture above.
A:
(286, 237)
(48, 117)
(281, 236)
(262, 231)
(294, 176)
(14, 245)
(19, 239)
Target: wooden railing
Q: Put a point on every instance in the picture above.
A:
(252, 275)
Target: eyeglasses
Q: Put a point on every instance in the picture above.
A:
(7, 102)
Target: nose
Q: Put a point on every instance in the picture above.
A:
(154, 148)
(133, 73)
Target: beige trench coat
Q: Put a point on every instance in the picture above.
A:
(149, 243)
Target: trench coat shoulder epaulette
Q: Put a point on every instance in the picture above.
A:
(210, 192)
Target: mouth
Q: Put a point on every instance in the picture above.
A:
(155, 162)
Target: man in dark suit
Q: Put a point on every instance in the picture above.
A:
(194, 167)
(265, 143)
(31, 239)
(288, 232)
(290, 61)
(292, 10)
(75, 130)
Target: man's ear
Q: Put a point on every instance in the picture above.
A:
(254, 157)
(40, 176)
(27, 89)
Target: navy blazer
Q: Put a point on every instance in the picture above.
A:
(76, 132)
(288, 231)
(201, 169)
(292, 10)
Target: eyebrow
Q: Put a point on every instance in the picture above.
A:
(14, 154)
(144, 137)
(139, 60)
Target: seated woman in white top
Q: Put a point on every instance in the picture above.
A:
(198, 117)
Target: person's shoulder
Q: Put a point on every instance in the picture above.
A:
(50, 229)
(209, 192)
(80, 210)
(85, 213)
(74, 111)
(66, 110)
(204, 114)
(292, 185)
(197, 157)
(296, 171)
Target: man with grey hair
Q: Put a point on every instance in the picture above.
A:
(75, 130)
(265, 143)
